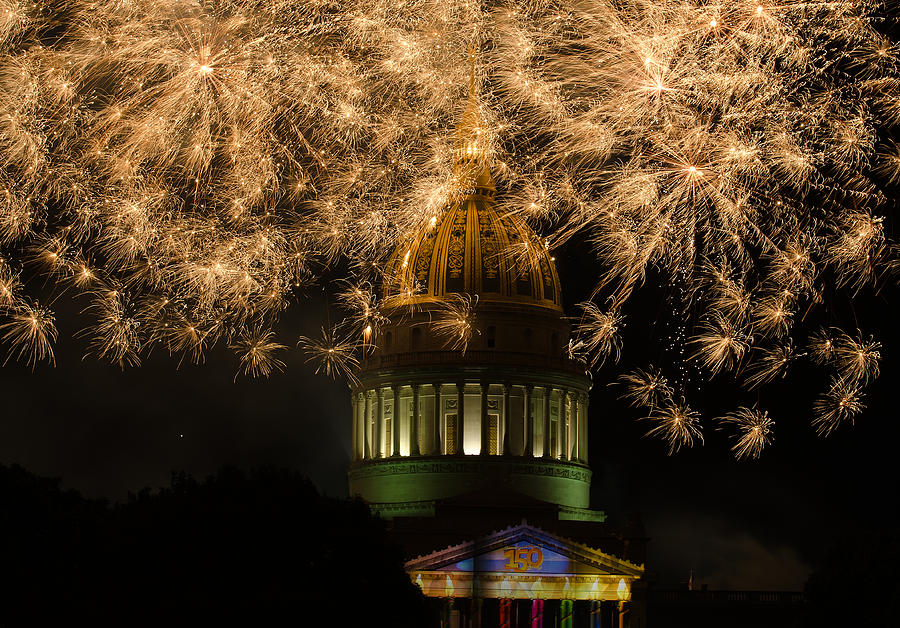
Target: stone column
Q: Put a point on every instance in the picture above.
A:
(583, 422)
(436, 447)
(576, 428)
(460, 416)
(395, 422)
(379, 424)
(563, 424)
(506, 416)
(354, 412)
(624, 610)
(485, 432)
(528, 434)
(414, 423)
(546, 420)
(366, 430)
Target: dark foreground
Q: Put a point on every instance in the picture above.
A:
(264, 548)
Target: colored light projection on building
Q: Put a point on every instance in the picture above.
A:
(522, 570)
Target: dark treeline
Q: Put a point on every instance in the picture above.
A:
(259, 547)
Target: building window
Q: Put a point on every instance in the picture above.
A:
(450, 437)
(493, 434)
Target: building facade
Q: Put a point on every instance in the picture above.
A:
(476, 448)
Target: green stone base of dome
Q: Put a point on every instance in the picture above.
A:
(427, 478)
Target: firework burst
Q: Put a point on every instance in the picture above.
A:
(214, 157)
(332, 354)
(31, 333)
(754, 431)
(840, 404)
(257, 353)
(599, 334)
(677, 424)
(455, 321)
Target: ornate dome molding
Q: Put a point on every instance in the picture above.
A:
(473, 249)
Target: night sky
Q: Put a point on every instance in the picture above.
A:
(740, 525)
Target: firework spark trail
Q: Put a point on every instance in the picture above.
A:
(840, 404)
(454, 321)
(677, 424)
(333, 354)
(203, 160)
(754, 431)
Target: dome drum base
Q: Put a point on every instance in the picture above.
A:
(405, 479)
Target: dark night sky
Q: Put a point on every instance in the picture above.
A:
(737, 524)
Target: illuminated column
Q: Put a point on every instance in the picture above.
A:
(436, 447)
(485, 428)
(563, 438)
(460, 416)
(379, 424)
(596, 614)
(414, 423)
(395, 422)
(624, 610)
(546, 419)
(582, 425)
(566, 613)
(507, 412)
(529, 423)
(366, 408)
(354, 412)
(576, 431)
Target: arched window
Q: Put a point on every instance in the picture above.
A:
(491, 337)
(415, 339)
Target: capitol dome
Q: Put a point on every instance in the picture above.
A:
(473, 249)
(507, 413)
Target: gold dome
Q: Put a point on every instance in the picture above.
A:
(473, 249)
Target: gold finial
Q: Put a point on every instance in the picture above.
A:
(471, 72)
(471, 157)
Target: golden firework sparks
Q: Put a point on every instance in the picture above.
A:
(677, 424)
(646, 388)
(840, 404)
(331, 354)
(257, 352)
(599, 333)
(754, 431)
(219, 156)
(455, 321)
(31, 332)
(720, 345)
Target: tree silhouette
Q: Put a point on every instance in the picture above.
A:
(258, 547)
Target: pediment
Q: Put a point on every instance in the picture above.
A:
(525, 550)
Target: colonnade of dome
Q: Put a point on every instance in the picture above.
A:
(470, 418)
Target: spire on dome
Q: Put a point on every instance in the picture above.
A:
(471, 160)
